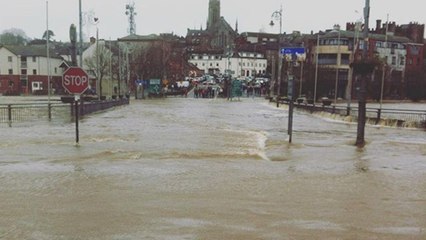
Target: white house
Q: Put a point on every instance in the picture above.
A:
(24, 69)
(240, 64)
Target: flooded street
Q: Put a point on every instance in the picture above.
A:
(210, 169)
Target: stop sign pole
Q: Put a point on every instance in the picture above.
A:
(75, 80)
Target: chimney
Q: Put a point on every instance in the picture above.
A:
(378, 25)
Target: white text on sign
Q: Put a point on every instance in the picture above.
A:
(75, 80)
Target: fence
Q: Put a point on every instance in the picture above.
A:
(22, 112)
(388, 117)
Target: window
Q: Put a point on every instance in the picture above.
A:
(9, 58)
(56, 70)
(23, 71)
(34, 59)
(402, 61)
(10, 71)
(393, 60)
(34, 71)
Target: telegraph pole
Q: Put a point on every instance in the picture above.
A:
(362, 102)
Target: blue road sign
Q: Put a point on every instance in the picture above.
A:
(293, 50)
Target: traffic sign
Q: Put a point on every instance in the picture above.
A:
(293, 50)
(75, 80)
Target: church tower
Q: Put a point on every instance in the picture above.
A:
(214, 14)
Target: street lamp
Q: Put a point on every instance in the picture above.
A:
(338, 61)
(278, 15)
(98, 84)
(316, 68)
(384, 68)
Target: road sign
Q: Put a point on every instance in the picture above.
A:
(293, 50)
(294, 53)
(75, 80)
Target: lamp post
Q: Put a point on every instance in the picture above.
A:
(80, 34)
(338, 60)
(383, 70)
(278, 15)
(316, 69)
(48, 56)
(98, 83)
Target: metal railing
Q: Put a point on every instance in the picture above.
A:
(25, 112)
(95, 106)
(388, 117)
(21, 112)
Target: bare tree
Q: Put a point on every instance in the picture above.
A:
(100, 63)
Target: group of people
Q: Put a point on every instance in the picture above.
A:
(207, 91)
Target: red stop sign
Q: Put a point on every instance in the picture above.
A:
(75, 80)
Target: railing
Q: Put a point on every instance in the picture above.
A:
(388, 117)
(23, 112)
(95, 106)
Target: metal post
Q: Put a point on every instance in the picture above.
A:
(49, 109)
(384, 65)
(280, 59)
(9, 114)
(48, 56)
(301, 78)
(338, 59)
(290, 78)
(316, 70)
(81, 35)
(98, 82)
(76, 121)
(360, 141)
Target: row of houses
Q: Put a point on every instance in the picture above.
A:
(115, 66)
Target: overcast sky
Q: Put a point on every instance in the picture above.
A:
(160, 16)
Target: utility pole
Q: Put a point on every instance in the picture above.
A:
(362, 102)
(81, 34)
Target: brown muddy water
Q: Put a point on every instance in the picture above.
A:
(210, 169)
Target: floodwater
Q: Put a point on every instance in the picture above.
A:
(210, 169)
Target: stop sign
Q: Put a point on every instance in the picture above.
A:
(75, 80)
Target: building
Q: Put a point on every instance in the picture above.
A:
(240, 64)
(333, 51)
(25, 70)
(218, 34)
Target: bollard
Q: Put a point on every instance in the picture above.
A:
(9, 114)
(379, 115)
(49, 109)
